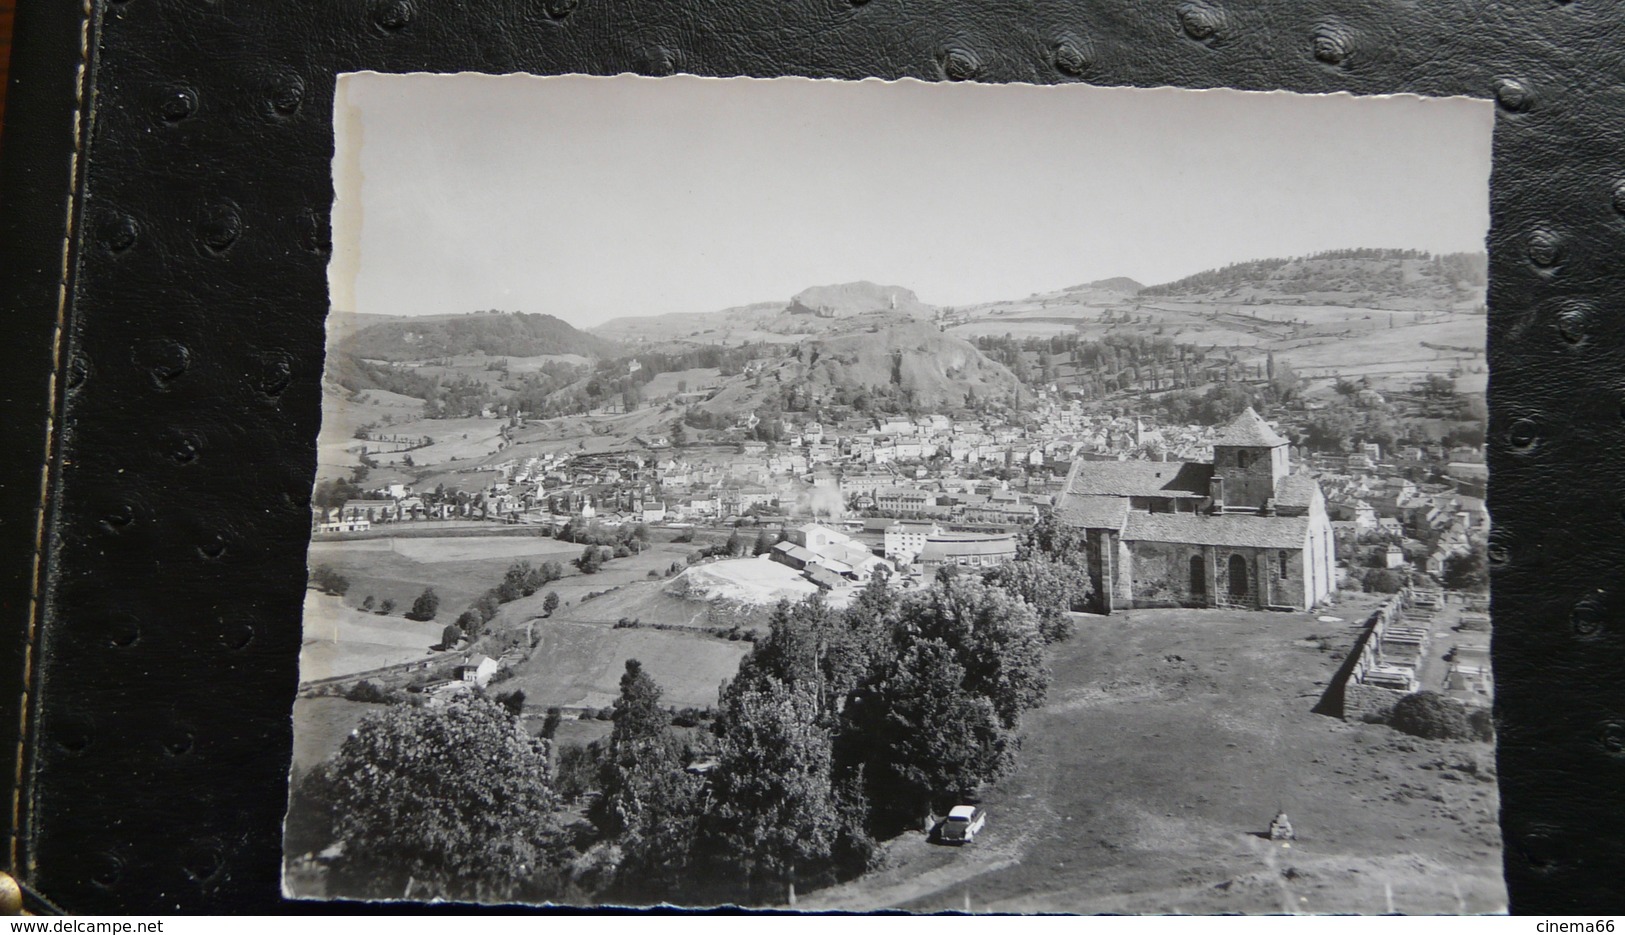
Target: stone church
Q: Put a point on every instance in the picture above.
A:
(1242, 531)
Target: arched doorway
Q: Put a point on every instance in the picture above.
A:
(1198, 579)
(1238, 577)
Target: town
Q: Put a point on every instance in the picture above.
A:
(1269, 565)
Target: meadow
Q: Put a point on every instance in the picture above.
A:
(1169, 740)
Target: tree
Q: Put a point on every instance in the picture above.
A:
(932, 741)
(550, 603)
(426, 606)
(1384, 581)
(776, 815)
(1051, 588)
(513, 702)
(451, 635)
(1469, 570)
(648, 802)
(367, 603)
(387, 607)
(592, 559)
(994, 636)
(329, 581)
(736, 544)
(764, 543)
(445, 802)
(550, 724)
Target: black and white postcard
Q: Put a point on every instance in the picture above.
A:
(890, 495)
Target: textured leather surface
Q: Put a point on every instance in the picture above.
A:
(190, 378)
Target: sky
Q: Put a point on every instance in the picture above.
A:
(598, 198)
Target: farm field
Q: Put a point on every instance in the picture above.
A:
(574, 586)
(340, 639)
(580, 664)
(1170, 739)
(483, 437)
(320, 726)
(336, 445)
(459, 568)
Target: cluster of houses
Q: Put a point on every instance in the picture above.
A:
(1366, 495)
(953, 480)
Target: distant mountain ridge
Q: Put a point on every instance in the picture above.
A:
(856, 298)
(505, 334)
(1367, 271)
(907, 363)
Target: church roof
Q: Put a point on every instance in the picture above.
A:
(1140, 478)
(1248, 430)
(1295, 491)
(1225, 529)
(1093, 512)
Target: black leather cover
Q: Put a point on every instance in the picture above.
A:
(189, 184)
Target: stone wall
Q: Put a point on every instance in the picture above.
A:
(1162, 577)
(1368, 702)
(1361, 699)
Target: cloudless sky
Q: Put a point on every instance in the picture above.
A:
(596, 198)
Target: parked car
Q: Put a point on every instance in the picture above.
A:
(962, 825)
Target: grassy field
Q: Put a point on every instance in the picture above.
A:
(1169, 740)
(459, 568)
(462, 439)
(339, 639)
(1321, 341)
(320, 726)
(614, 574)
(337, 448)
(580, 664)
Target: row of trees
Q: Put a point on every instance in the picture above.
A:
(522, 579)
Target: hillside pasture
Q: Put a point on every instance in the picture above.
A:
(1168, 741)
(339, 639)
(668, 384)
(320, 726)
(337, 448)
(1391, 357)
(462, 439)
(580, 665)
(459, 569)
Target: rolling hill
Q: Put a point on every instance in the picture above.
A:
(816, 310)
(515, 334)
(892, 355)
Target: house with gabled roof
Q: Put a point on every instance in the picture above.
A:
(1239, 531)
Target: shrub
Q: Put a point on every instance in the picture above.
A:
(426, 606)
(330, 581)
(1384, 581)
(366, 692)
(1481, 721)
(1430, 715)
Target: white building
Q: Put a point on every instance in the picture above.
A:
(903, 541)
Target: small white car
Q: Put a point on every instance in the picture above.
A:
(962, 825)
